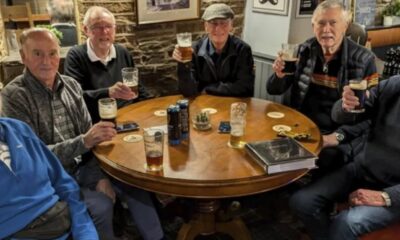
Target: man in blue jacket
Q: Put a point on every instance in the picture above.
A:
(371, 182)
(39, 199)
(222, 64)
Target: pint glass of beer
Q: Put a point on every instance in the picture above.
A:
(238, 123)
(185, 45)
(289, 55)
(108, 110)
(153, 146)
(359, 88)
(130, 77)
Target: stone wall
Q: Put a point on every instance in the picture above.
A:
(152, 44)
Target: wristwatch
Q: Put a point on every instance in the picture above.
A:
(339, 136)
(386, 198)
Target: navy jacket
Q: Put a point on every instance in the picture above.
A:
(234, 78)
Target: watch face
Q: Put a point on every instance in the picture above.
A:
(339, 137)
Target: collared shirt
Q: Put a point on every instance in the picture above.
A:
(94, 58)
(63, 127)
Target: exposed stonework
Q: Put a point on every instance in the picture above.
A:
(152, 44)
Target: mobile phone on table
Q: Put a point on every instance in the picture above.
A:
(127, 127)
(224, 127)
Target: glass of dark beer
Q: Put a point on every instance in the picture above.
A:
(185, 45)
(130, 77)
(108, 110)
(154, 146)
(289, 56)
(359, 88)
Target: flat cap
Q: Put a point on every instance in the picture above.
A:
(217, 10)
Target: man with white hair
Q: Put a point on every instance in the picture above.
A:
(326, 64)
(52, 104)
(97, 64)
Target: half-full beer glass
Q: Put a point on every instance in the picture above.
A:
(185, 45)
(154, 146)
(289, 55)
(238, 123)
(108, 109)
(359, 88)
(130, 77)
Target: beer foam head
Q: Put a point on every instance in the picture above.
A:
(360, 85)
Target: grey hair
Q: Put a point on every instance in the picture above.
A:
(26, 34)
(94, 12)
(329, 4)
(61, 11)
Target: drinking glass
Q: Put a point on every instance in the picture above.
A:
(359, 88)
(238, 123)
(154, 146)
(130, 77)
(185, 46)
(289, 56)
(108, 110)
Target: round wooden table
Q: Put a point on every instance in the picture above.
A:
(204, 167)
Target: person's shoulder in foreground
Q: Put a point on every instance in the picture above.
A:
(38, 182)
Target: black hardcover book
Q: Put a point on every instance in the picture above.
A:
(281, 155)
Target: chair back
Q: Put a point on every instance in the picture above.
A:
(357, 33)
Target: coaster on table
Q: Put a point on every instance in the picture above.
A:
(131, 138)
(275, 115)
(160, 113)
(209, 110)
(280, 128)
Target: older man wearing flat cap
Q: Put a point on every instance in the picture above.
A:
(222, 64)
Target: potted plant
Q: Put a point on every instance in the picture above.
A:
(391, 13)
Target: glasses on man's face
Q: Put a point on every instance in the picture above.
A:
(101, 28)
(219, 22)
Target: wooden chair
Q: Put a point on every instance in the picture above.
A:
(18, 13)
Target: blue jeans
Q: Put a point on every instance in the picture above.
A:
(314, 203)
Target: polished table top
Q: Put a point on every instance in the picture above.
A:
(204, 166)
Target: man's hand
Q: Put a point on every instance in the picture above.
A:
(104, 186)
(121, 91)
(100, 132)
(177, 55)
(278, 66)
(366, 197)
(329, 140)
(349, 100)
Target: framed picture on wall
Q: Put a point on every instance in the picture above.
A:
(158, 11)
(305, 8)
(279, 7)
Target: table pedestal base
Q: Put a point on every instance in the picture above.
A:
(204, 223)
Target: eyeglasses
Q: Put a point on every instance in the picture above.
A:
(100, 28)
(220, 22)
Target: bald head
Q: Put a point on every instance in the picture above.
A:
(41, 54)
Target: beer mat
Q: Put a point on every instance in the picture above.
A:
(164, 128)
(209, 110)
(131, 138)
(280, 128)
(160, 113)
(275, 115)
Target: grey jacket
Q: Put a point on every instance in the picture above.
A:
(26, 99)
